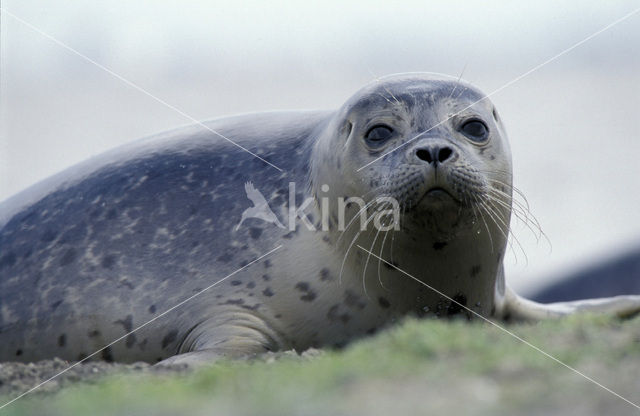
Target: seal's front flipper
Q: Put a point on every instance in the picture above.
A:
(518, 308)
(192, 360)
(230, 334)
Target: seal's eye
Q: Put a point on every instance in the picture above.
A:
(475, 130)
(378, 134)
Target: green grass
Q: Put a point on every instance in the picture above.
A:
(419, 367)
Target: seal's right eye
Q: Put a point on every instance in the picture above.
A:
(378, 134)
(475, 130)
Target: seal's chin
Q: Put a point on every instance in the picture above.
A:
(438, 214)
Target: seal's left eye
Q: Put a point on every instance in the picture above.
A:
(476, 130)
(378, 134)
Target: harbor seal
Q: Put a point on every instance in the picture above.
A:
(125, 244)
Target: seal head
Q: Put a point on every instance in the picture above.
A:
(432, 143)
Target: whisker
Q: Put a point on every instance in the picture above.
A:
(385, 88)
(485, 224)
(523, 214)
(531, 223)
(369, 219)
(344, 260)
(356, 216)
(386, 234)
(366, 263)
(458, 81)
(492, 208)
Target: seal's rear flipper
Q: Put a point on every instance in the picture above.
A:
(515, 307)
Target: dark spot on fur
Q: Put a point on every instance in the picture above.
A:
(439, 246)
(255, 232)
(384, 302)
(492, 157)
(267, 292)
(108, 261)
(325, 275)
(371, 331)
(55, 305)
(152, 309)
(48, 236)
(278, 316)
(143, 345)
(62, 340)
(236, 283)
(289, 235)
(266, 277)
(126, 284)
(352, 300)
(225, 258)
(267, 264)
(94, 333)
(251, 285)
(243, 263)
(195, 244)
(169, 338)
(68, 257)
(475, 270)
(334, 315)
(112, 214)
(130, 341)
(234, 302)
(127, 323)
(309, 295)
(18, 353)
(251, 308)
(107, 355)
(457, 306)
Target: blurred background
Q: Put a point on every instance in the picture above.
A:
(574, 124)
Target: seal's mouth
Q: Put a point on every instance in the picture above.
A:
(438, 194)
(437, 191)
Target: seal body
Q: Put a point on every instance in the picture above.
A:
(122, 238)
(121, 247)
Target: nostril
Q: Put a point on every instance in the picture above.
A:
(444, 154)
(424, 155)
